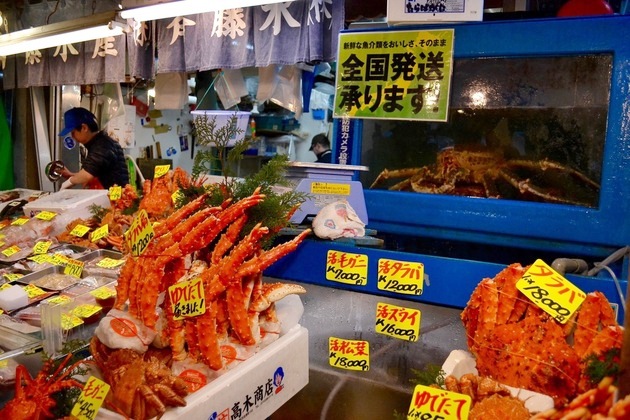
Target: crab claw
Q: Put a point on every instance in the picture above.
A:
(274, 292)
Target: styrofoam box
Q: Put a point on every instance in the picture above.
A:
(69, 205)
(254, 381)
(222, 118)
(422, 11)
(77, 202)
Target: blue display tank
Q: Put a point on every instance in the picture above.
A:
(532, 90)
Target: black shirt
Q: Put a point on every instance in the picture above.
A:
(324, 157)
(106, 161)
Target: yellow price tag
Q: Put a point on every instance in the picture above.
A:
(46, 215)
(109, 263)
(160, 171)
(139, 233)
(69, 321)
(100, 233)
(41, 258)
(103, 292)
(349, 354)
(59, 300)
(79, 231)
(177, 195)
(5, 286)
(550, 291)
(74, 268)
(20, 221)
(438, 403)
(187, 298)
(58, 259)
(115, 192)
(33, 291)
(3, 363)
(345, 267)
(86, 310)
(404, 277)
(11, 250)
(12, 276)
(90, 400)
(42, 247)
(398, 322)
(330, 188)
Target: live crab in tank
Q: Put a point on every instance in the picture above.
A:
(491, 175)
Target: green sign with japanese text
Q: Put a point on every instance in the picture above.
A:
(403, 75)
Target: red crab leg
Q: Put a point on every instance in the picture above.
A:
(260, 262)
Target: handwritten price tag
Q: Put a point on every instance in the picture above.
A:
(79, 231)
(12, 276)
(345, 267)
(402, 277)
(11, 250)
(349, 354)
(41, 247)
(437, 403)
(59, 259)
(41, 258)
(139, 233)
(74, 268)
(33, 291)
(398, 322)
(550, 291)
(109, 263)
(103, 292)
(187, 298)
(59, 300)
(177, 195)
(70, 321)
(91, 399)
(160, 171)
(20, 221)
(46, 215)
(86, 310)
(115, 193)
(100, 233)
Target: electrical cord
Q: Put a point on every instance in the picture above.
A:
(603, 265)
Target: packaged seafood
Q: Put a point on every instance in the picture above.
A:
(52, 281)
(104, 263)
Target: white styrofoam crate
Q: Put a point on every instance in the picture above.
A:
(71, 201)
(24, 194)
(254, 381)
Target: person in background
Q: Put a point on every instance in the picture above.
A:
(320, 145)
(105, 163)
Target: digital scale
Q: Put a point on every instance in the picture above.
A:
(326, 183)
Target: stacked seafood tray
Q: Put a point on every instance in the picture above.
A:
(32, 287)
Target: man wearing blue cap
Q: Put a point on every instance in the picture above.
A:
(105, 162)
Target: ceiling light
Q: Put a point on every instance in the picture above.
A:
(187, 7)
(97, 26)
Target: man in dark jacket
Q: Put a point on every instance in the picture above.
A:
(105, 164)
(320, 145)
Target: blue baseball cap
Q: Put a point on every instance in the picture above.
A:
(73, 118)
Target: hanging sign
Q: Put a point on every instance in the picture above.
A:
(402, 75)
(550, 291)
(346, 267)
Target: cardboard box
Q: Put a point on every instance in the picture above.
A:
(431, 11)
(256, 387)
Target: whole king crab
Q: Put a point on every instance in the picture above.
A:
(480, 173)
(518, 344)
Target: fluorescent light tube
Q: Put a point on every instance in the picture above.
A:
(187, 7)
(62, 33)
